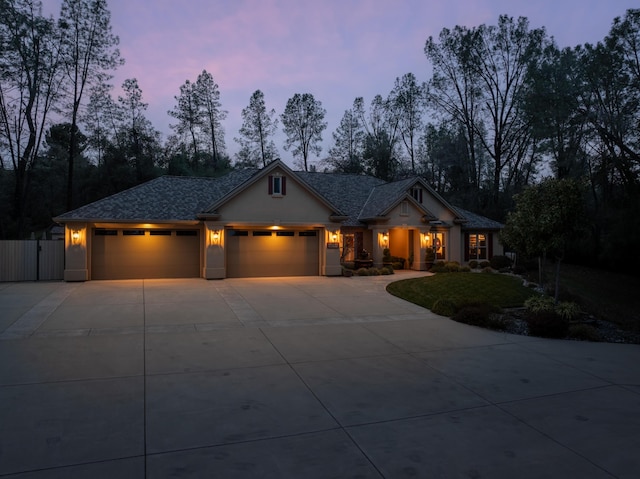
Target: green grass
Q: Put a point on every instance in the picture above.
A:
(499, 290)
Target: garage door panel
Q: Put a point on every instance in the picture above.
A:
(145, 256)
(268, 256)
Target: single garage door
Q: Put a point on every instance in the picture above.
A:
(140, 254)
(272, 253)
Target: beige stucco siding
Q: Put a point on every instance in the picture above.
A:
(256, 206)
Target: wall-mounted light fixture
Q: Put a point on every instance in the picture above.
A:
(385, 238)
(426, 239)
(76, 237)
(334, 236)
(214, 237)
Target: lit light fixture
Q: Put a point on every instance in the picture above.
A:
(75, 237)
(215, 237)
(334, 237)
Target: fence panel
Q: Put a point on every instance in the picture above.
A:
(21, 260)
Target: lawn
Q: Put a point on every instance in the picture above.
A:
(499, 290)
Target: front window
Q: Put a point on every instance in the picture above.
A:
(348, 247)
(277, 185)
(477, 246)
(439, 246)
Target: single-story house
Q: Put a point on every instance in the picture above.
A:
(267, 222)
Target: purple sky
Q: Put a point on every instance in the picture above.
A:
(335, 49)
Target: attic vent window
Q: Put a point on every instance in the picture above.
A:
(416, 193)
(277, 185)
(404, 208)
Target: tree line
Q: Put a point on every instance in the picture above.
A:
(504, 107)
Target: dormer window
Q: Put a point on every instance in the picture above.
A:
(416, 193)
(277, 185)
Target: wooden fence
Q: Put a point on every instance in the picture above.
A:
(31, 260)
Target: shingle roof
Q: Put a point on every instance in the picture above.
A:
(384, 196)
(347, 192)
(180, 198)
(168, 198)
(477, 222)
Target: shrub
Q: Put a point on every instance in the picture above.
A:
(487, 269)
(386, 271)
(547, 324)
(479, 314)
(473, 264)
(452, 266)
(397, 265)
(584, 332)
(568, 310)
(465, 269)
(499, 262)
(537, 304)
(363, 272)
(444, 307)
(349, 265)
(375, 272)
(484, 264)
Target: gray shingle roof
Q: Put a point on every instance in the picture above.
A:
(347, 192)
(179, 198)
(168, 198)
(477, 222)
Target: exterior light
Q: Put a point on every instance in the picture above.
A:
(75, 237)
(215, 237)
(334, 236)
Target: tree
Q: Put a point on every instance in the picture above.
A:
(381, 125)
(480, 77)
(29, 87)
(345, 155)
(141, 140)
(547, 219)
(409, 100)
(187, 112)
(258, 126)
(89, 51)
(303, 123)
(212, 115)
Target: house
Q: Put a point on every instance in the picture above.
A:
(267, 222)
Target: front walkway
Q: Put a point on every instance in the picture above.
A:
(297, 377)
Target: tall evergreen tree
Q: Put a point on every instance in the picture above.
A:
(258, 126)
(303, 122)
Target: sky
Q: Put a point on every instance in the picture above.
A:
(336, 50)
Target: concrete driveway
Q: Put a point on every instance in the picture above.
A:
(297, 378)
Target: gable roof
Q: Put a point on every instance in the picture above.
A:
(168, 198)
(184, 199)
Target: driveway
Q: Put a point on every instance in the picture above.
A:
(300, 378)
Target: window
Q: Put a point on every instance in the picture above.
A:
(416, 193)
(477, 246)
(186, 233)
(277, 185)
(104, 232)
(308, 233)
(133, 232)
(262, 233)
(285, 233)
(160, 232)
(404, 208)
(238, 233)
(439, 245)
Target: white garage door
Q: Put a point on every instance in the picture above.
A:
(140, 254)
(256, 253)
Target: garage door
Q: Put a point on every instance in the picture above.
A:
(272, 253)
(139, 254)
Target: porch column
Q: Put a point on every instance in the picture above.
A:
(332, 266)
(422, 245)
(380, 242)
(214, 265)
(76, 259)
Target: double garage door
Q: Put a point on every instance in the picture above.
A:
(259, 253)
(140, 253)
(175, 253)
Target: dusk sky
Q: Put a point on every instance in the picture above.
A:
(335, 49)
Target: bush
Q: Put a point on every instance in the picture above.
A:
(499, 262)
(584, 332)
(363, 272)
(386, 271)
(473, 264)
(547, 324)
(537, 304)
(349, 265)
(397, 265)
(448, 267)
(465, 269)
(487, 269)
(479, 314)
(444, 307)
(568, 310)
(484, 264)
